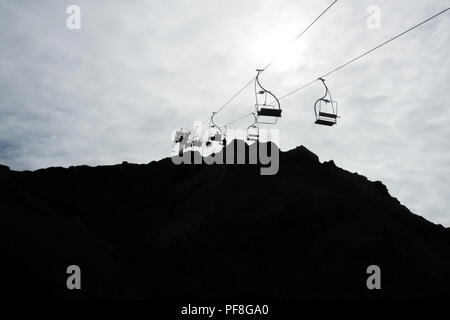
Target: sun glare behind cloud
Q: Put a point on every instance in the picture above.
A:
(277, 44)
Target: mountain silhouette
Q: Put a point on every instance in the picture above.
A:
(166, 231)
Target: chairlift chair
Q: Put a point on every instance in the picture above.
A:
(253, 130)
(325, 109)
(215, 134)
(263, 109)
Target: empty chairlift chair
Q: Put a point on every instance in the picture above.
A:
(325, 109)
(253, 130)
(270, 111)
(215, 134)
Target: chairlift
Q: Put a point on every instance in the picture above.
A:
(263, 109)
(325, 109)
(215, 134)
(253, 130)
(182, 138)
(196, 139)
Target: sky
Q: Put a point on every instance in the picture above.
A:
(116, 89)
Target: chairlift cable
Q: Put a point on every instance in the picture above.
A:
(365, 53)
(276, 58)
(240, 118)
(355, 59)
(301, 33)
(350, 27)
(235, 95)
(336, 69)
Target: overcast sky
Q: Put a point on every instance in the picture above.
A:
(136, 70)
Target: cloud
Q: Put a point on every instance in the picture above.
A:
(116, 89)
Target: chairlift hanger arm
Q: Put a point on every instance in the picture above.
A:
(327, 91)
(265, 90)
(214, 124)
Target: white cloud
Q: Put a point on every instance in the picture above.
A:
(116, 89)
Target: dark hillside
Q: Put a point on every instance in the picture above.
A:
(168, 231)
